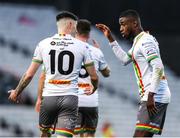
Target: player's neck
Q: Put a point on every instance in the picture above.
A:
(138, 31)
(84, 39)
(63, 32)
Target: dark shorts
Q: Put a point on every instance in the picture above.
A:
(59, 110)
(151, 123)
(87, 120)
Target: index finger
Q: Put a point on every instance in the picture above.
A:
(100, 26)
(103, 26)
(9, 91)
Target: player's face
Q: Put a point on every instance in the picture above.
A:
(126, 27)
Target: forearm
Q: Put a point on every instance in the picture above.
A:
(40, 91)
(110, 38)
(120, 53)
(95, 83)
(156, 74)
(25, 80)
(41, 86)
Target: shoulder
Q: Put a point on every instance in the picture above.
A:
(47, 41)
(95, 52)
(148, 39)
(95, 49)
(77, 41)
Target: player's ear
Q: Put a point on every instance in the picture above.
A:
(71, 24)
(135, 23)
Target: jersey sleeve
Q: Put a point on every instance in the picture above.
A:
(157, 73)
(150, 50)
(43, 69)
(88, 60)
(129, 53)
(120, 53)
(102, 62)
(37, 55)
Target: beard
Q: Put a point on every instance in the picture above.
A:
(130, 36)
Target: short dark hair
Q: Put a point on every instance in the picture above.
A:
(66, 14)
(83, 26)
(130, 13)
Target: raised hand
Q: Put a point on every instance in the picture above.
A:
(106, 31)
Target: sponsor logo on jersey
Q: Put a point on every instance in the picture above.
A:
(61, 43)
(150, 51)
(53, 43)
(154, 124)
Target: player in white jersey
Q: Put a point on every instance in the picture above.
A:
(62, 56)
(88, 104)
(149, 70)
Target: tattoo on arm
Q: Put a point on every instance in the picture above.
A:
(23, 83)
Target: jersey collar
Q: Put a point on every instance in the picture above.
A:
(62, 35)
(138, 37)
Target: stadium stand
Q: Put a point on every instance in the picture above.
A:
(21, 29)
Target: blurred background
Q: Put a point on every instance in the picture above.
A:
(23, 23)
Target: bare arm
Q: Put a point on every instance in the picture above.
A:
(105, 72)
(25, 80)
(93, 75)
(40, 91)
(41, 84)
(118, 51)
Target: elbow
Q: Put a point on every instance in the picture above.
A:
(124, 63)
(159, 70)
(106, 75)
(159, 67)
(29, 76)
(106, 72)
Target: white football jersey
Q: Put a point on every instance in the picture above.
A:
(84, 79)
(145, 49)
(62, 57)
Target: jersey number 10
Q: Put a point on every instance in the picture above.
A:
(61, 62)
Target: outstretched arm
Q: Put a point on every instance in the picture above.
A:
(118, 51)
